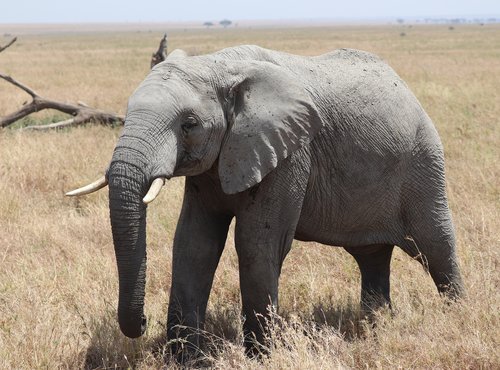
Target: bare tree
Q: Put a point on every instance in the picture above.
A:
(81, 113)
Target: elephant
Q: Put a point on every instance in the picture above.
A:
(334, 149)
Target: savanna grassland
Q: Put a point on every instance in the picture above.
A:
(58, 279)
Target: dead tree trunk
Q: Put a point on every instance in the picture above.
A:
(80, 113)
(161, 53)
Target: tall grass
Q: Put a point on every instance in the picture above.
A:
(58, 280)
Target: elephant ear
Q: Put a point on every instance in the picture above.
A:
(270, 116)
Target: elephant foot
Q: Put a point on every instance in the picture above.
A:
(255, 349)
(184, 345)
(186, 355)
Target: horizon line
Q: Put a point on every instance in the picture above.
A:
(246, 20)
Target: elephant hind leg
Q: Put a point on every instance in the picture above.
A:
(438, 257)
(374, 264)
(428, 225)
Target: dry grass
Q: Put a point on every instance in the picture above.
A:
(58, 283)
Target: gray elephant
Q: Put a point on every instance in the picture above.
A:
(333, 149)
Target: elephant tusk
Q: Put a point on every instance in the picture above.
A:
(154, 190)
(96, 185)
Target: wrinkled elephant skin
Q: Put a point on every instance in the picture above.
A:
(333, 149)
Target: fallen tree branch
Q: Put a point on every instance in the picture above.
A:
(81, 112)
(18, 84)
(49, 126)
(2, 48)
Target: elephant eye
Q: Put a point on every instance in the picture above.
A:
(189, 123)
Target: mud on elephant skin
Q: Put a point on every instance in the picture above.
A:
(333, 149)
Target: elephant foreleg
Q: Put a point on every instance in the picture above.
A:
(199, 241)
(265, 227)
(260, 259)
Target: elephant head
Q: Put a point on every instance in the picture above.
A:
(190, 115)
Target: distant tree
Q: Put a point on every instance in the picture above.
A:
(208, 24)
(225, 23)
(400, 20)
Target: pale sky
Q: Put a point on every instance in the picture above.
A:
(67, 11)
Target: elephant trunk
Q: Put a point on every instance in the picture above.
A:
(127, 185)
(139, 160)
